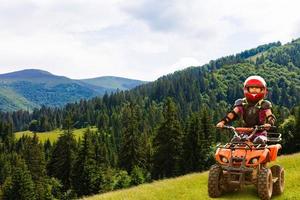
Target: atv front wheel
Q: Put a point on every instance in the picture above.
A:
(278, 172)
(226, 186)
(214, 181)
(265, 184)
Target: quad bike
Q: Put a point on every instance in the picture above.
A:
(244, 163)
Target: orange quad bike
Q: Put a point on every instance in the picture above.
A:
(243, 163)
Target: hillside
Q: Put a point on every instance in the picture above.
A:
(194, 186)
(221, 80)
(28, 89)
(11, 100)
(113, 82)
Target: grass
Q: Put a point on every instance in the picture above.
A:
(52, 135)
(194, 187)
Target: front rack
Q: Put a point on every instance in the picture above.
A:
(242, 145)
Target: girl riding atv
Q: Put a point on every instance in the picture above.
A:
(253, 109)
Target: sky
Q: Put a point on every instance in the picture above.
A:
(139, 39)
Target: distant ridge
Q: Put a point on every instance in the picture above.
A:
(26, 73)
(31, 88)
(114, 82)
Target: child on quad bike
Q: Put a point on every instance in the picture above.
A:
(253, 109)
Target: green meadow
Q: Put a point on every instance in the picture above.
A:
(194, 187)
(52, 135)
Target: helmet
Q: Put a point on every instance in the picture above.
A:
(258, 82)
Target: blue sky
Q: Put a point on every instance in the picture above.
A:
(138, 39)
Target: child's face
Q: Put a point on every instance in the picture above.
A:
(254, 90)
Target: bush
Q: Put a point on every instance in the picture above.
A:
(138, 176)
(122, 180)
(54, 189)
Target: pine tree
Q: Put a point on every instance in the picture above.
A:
(7, 137)
(193, 145)
(44, 124)
(208, 137)
(47, 149)
(103, 121)
(63, 156)
(131, 146)
(116, 126)
(5, 167)
(20, 186)
(35, 160)
(86, 177)
(34, 157)
(102, 153)
(168, 143)
(112, 149)
(147, 141)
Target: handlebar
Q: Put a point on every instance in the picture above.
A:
(248, 130)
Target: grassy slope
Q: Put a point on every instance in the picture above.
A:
(52, 135)
(194, 187)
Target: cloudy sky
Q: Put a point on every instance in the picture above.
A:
(141, 39)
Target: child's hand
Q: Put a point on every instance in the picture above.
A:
(220, 124)
(267, 126)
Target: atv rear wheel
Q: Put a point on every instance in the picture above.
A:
(215, 178)
(278, 172)
(265, 184)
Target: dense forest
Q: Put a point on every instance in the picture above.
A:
(157, 130)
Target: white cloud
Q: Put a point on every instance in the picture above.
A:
(141, 39)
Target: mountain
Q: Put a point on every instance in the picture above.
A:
(31, 88)
(113, 82)
(26, 74)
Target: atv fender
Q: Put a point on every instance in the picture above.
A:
(273, 151)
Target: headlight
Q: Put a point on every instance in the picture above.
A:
(225, 160)
(254, 160)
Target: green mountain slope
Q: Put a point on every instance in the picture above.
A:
(221, 80)
(113, 82)
(10, 101)
(34, 88)
(194, 186)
